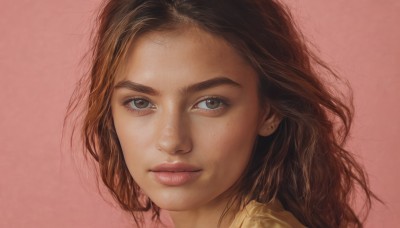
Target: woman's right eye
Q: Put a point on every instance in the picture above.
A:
(139, 104)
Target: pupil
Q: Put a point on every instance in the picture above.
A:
(141, 103)
(212, 104)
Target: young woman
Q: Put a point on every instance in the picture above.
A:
(216, 112)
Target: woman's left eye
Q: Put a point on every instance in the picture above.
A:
(210, 104)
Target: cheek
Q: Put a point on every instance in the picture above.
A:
(134, 138)
(229, 143)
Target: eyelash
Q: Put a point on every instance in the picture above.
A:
(127, 105)
(222, 101)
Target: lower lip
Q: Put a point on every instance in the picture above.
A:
(175, 178)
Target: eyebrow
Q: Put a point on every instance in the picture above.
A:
(135, 87)
(211, 83)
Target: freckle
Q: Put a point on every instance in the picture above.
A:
(212, 133)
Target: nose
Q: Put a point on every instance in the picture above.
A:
(174, 133)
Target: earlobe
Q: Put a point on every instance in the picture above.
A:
(269, 124)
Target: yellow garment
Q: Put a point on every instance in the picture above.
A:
(272, 215)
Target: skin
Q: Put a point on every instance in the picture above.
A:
(160, 117)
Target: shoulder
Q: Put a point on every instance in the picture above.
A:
(257, 215)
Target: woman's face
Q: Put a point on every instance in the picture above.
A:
(187, 114)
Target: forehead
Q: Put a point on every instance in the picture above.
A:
(186, 53)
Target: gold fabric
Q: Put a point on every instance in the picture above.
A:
(258, 215)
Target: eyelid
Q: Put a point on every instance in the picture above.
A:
(224, 103)
(128, 100)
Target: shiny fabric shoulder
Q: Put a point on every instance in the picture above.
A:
(258, 215)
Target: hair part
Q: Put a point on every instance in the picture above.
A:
(303, 164)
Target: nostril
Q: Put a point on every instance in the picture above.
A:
(174, 132)
(174, 142)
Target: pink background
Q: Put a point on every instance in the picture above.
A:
(42, 42)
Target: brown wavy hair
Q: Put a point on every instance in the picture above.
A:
(303, 164)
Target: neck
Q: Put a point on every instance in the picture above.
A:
(208, 215)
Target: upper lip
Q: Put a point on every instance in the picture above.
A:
(175, 167)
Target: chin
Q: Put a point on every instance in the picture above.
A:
(177, 200)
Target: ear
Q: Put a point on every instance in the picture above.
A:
(269, 123)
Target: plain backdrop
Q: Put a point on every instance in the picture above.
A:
(43, 41)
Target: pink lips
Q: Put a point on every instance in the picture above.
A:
(175, 174)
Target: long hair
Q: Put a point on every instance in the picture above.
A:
(303, 164)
